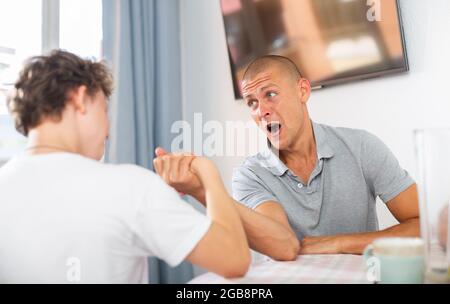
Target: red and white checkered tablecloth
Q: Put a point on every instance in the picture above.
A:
(307, 269)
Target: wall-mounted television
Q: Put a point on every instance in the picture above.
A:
(331, 41)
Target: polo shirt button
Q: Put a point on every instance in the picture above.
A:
(300, 186)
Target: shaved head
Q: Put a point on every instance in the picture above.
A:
(276, 94)
(262, 64)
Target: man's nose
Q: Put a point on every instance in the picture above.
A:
(264, 110)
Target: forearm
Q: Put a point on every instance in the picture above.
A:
(356, 243)
(268, 236)
(220, 206)
(264, 234)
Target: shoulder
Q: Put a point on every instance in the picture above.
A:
(141, 185)
(346, 134)
(253, 167)
(254, 162)
(355, 139)
(134, 175)
(126, 179)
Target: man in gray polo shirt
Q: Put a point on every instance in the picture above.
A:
(319, 182)
(315, 191)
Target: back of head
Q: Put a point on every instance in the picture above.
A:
(45, 83)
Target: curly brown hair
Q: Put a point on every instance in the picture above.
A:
(45, 82)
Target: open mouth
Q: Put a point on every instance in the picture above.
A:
(273, 128)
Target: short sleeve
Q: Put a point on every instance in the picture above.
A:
(166, 226)
(248, 188)
(382, 171)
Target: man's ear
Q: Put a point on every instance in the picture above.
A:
(304, 87)
(77, 98)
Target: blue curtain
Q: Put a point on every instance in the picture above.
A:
(142, 44)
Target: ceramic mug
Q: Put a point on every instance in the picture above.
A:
(397, 260)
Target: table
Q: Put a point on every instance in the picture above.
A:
(307, 269)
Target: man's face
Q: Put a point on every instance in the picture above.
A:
(277, 105)
(94, 126)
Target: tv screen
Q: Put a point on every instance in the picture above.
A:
(331, 41)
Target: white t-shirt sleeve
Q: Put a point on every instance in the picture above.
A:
(168, 227)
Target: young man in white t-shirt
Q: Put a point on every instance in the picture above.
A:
(65, 217)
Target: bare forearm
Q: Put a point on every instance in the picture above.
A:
(267, 236)
(356, 243)
(264, 234)
(220, 206)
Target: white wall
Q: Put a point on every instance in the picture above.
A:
(390, 107)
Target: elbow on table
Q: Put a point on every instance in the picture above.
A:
(238, 266)
(235, 257)
(288, 252)
(292, 253)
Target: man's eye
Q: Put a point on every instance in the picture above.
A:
(271, 94)
(252, 104)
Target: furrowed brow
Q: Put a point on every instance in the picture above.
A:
(252, 84)
(267, 87)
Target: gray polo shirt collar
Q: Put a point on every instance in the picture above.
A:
(324, 151)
